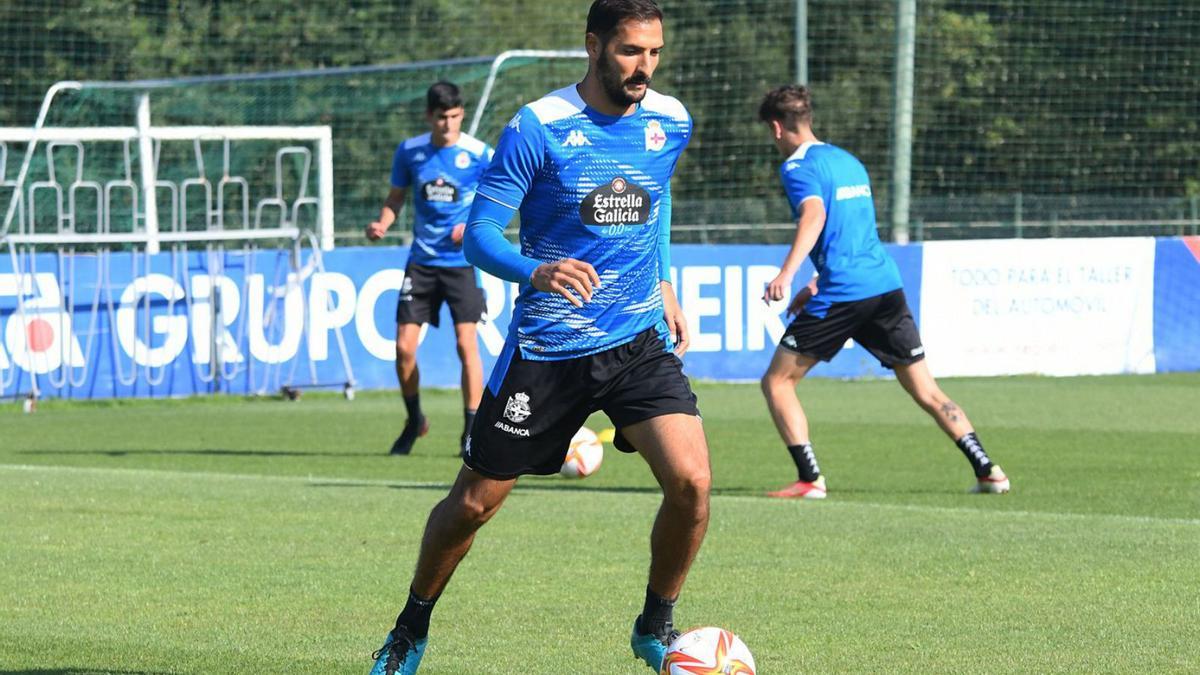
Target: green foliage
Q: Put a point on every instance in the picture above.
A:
(1087, 108)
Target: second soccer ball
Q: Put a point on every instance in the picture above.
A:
(584, 455)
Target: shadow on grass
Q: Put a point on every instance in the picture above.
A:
(551, 486)
(78, 671)
(201, 453)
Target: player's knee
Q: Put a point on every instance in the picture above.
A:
(773, 383)
(472, 512)
(405, 354)
(466, 350)
(690, 492)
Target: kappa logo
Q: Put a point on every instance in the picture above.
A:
(576, 139)
(656, 138)
(518, 409)
(515, 123)
(419, 157)
(790, 341)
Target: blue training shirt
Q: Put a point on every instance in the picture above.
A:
(591, 187)
(848, 255)
(445, 180)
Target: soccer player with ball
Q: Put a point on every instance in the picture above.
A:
(589, 168)
(857, 294)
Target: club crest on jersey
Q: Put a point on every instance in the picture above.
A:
(517, 409)
(463, 160)
(619, 202)
(440, 191)
(656, 138)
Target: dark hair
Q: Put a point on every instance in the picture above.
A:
(790, 104)
(605, 15)
(443, 96)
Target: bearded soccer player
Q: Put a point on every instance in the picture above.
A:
(589, 168)
(444, 165)
(857, 294)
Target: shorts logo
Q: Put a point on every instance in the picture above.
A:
(463, 160)
(917, 351)
(517, 408)
(511, 430)
(656, 138)
(618, 203)
(440, 191)
(467, 446)
(790, 341)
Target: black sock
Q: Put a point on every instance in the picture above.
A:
(806, 462)
(415, 616)
(657, 615)
(413, 404)
(973, 449)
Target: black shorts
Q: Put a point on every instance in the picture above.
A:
(883, 325)
(426, 288)
(531, 409)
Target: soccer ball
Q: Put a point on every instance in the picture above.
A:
(708, 651)
(584, 455)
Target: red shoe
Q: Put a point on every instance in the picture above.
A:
(995, 483)
(802, 490)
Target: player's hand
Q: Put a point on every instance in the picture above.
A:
(676, 322)
(376, 230)
(456, 235)
(779, 287)
(573, 279)
(797, 304)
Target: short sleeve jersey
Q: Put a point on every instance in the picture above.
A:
(443, 182)
(589, 186)
(848, 255)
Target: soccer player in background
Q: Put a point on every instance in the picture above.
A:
(445, 165)
(857, 294)
(589, 168)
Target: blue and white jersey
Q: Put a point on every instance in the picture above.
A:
(444, 182)
(848, 255)
(595, 188)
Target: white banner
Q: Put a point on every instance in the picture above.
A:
(1050, 306)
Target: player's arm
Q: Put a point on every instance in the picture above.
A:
(808, 230)
(508, 179)
(392, 206)
(803, 186)
(672, 313)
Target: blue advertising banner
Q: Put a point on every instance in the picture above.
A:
(179, 323)
(1177, 304)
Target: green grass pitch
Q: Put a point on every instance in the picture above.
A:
(260, 536)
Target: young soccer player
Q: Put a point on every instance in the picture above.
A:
(857, 294)
(444, 165)
(589, 167)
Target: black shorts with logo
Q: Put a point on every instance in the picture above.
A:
(882, 324)
(531, 409)
(427, 287)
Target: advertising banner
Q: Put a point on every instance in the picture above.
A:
(1052, 306)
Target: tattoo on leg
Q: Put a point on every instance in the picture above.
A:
(950, 411)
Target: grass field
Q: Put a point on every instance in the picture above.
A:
(237, 536)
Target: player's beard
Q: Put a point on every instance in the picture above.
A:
(614, 86)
